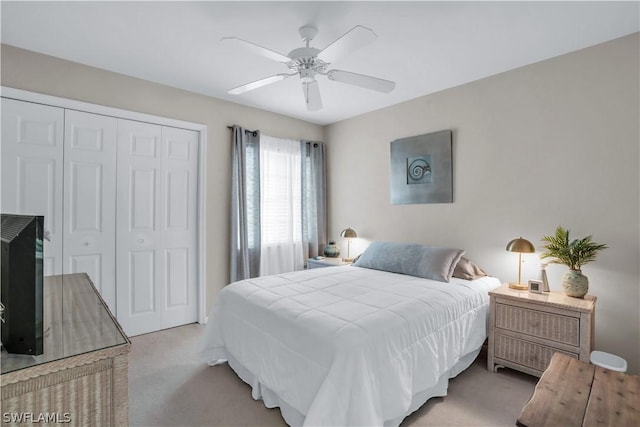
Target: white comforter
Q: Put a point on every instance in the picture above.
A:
(348, 346)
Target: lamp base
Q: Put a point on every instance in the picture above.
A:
(347, 259)
(518, 286)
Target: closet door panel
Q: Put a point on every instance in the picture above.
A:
(143, 187)
(180, 154)
(90, 145)
(177, 272)
(140, 273)
(32, 170)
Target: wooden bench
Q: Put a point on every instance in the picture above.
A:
(575, 393)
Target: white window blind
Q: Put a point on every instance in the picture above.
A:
(280, 205)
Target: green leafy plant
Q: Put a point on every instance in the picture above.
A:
(572, 253)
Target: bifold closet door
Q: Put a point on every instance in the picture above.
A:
(156, 227)
(89, 200)
(180, 226)
(32, 165)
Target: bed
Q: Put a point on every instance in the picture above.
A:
(365, 344)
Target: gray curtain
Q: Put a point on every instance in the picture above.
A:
(245, 204)
(314, 197)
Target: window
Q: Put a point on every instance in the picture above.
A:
(280, 191)
(278, 206)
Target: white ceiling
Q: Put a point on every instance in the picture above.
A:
(424, 47)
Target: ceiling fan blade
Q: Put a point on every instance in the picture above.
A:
(256, 48)
(312, 96)
(258, 83)
(353, 39)
(361, 80)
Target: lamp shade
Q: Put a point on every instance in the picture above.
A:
(349, 233)
(521, 245)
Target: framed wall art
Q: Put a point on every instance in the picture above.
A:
(421, 169)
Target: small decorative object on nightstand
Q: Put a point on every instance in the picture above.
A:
(325, 262)
(536, 286)
(332, 250)
(348, 233)
(543, 277)
(525, 328)
(521, 246)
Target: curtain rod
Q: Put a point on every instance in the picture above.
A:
(254, 132)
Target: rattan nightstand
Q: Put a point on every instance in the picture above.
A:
(525, 329)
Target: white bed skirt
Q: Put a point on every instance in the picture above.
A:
(294, 418)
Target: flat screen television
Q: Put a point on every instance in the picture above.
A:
(22, 278)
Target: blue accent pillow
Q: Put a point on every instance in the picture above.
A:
(429, 262)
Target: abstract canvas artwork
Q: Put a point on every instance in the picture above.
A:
(421, 169)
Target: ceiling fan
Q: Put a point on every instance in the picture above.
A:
(309, 62)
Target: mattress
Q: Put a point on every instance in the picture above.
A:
(347, 345)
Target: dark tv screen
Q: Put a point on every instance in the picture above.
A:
(22, 280)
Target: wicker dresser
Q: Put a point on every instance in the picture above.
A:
(81, 379)
(525, 329)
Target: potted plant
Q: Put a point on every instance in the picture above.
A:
(574, 254)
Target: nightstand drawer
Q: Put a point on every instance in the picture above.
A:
(524, 352)
(541, 324)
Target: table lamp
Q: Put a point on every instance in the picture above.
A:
(348, 233)
(521, 246)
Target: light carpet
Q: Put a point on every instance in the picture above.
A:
(171, 385)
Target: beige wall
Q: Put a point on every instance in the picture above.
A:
(553, 143)
(52, 76)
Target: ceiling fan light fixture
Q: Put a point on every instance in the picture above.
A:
(307, 75)
(312, 96)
